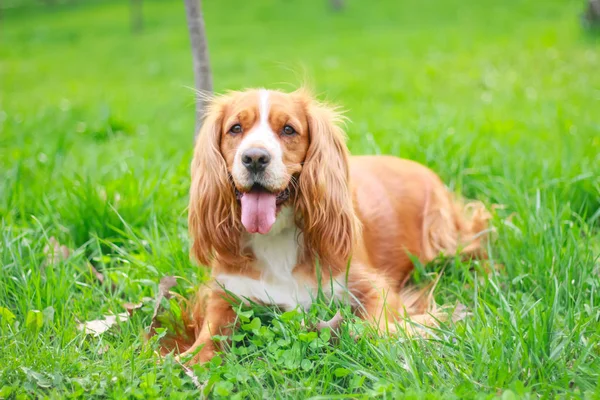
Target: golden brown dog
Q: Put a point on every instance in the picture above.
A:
(274, 190)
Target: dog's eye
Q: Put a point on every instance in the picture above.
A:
(288, 130)
(237, 128)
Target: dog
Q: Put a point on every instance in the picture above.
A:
(278, 205)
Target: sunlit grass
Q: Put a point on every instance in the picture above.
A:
(499, 98)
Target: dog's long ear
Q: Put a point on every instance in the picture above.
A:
(212, 218)
(324, 206)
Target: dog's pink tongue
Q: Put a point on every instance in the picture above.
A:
(258, 211)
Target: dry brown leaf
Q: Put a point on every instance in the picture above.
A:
(180, 331)
(100, 276)
(460, 312)
(99, 326)
(55, 252)
(95, 272)
(131, 307)
(166, 283)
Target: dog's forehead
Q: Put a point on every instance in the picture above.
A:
(255, 102)
(284, 102)
(280, 98)
(242, 101)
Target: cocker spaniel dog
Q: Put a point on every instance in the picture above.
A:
(274, 191)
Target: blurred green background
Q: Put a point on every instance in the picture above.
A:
(501, 98)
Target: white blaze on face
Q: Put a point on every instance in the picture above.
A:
(259, 207)
(261, 136)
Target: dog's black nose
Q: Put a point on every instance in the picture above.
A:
(256, 159)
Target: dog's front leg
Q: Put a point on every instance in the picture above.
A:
(218, 320)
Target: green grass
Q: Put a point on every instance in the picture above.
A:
(502, 99)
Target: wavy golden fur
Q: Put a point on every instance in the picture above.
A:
(324, 209)
(213, 209)
(372, 213)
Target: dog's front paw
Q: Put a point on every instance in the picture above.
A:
(194, 356)
(203, 356)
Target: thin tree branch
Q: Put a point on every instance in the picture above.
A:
(202, 72)
(137, 16)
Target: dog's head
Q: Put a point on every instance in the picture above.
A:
(261, 150)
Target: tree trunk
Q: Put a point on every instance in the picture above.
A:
(137, 15)
(337, 5)
(202, 74)
(592, 14)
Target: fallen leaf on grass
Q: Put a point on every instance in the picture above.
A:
(176, 317)
(99, 326)
(131, 307)
(55, 252)
(460, 312)
(95, 272)
(100, 276)
(164, 286)
(166, 283)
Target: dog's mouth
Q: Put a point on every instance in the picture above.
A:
(259, 207)
(280, 197)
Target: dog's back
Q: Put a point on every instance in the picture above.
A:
(405, 211)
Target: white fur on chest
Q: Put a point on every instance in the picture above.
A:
(286, 294)
(276, 252)
(276, 257)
